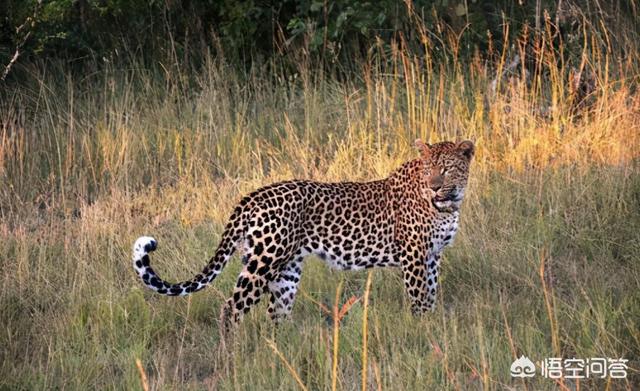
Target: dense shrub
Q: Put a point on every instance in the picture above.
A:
(255, 30)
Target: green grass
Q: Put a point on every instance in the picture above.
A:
(88, 165)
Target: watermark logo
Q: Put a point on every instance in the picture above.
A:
(523, 367)
(571, 368)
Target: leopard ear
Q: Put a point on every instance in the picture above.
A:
(425, 149)
(466, 148)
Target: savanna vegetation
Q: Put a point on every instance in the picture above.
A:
(123, 118)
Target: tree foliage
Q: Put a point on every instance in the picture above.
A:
(257, 29)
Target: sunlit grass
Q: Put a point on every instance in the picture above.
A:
(545, 264)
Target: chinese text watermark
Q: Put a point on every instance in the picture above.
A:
(571, 368)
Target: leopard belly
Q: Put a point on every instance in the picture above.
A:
(347, 250)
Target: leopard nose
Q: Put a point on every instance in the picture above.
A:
(435, 182)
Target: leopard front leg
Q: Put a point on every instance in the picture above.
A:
(433, 270)
(414, 272)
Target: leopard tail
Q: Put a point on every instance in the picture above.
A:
(146, 244)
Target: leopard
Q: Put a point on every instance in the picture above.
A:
(405, 221)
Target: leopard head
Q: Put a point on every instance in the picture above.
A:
(446, 172)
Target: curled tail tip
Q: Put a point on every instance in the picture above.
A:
(143, 246)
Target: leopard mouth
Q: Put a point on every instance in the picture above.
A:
(446, 206)
(453, 197)
(448, 203)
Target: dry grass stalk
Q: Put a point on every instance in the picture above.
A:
(336, 337)
(143, 376)
(365, 330)
(286, 363)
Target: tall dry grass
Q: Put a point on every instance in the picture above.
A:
(545, 263)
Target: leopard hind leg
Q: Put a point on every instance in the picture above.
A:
(283, 289)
